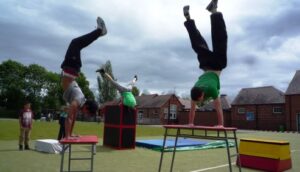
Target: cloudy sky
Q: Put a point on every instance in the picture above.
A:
(148, 38)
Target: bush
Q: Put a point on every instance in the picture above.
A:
(6, 113)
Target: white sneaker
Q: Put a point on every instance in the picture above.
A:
(101, 25)
(133, 81)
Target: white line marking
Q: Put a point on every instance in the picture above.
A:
(295, 151)
(211, 168)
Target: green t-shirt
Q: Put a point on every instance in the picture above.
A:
(209, 82)
(128, 99)
(63, 114)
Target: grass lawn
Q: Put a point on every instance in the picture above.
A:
(109, 160)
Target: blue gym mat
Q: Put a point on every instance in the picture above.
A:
(158, 143)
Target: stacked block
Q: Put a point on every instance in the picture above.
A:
(119, 127)
(267, 155)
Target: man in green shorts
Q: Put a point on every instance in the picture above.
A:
(211, 62)
(127, 97)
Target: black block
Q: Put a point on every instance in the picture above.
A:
(119, 127)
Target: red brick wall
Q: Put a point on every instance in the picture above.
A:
(204, 118)
(239, 120)
(292, 108)
(264, 118)
(156, 115)
(173, 101)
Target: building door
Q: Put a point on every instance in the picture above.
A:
(298, 122)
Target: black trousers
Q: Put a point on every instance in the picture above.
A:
(61, 133)
(72, 59)
(210, 60)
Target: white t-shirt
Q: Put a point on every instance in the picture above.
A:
(73, 92)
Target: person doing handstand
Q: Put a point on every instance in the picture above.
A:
(211, 62)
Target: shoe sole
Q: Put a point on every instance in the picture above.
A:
(101, 23)
(211, 6)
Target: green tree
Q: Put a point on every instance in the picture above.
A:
(54, 92)
(11, 84)
(135, 91)
(35, 85)
(84, 85)
(106, 90)
(41, 87)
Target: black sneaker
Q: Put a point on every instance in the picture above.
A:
(101, 71)
(135, 78)
(186, 11)
(27, 147)
(213, 5)
(20, 147)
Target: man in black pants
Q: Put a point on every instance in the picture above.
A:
(212, 62)
(70, 71)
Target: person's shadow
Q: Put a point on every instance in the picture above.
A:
(100, 148)
(9, 150)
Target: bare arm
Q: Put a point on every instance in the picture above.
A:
(192, 112)
(70, 120)
(108, 76)
(218, 107)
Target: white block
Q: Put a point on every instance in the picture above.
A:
(48, 146)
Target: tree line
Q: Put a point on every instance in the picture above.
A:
(42, 88)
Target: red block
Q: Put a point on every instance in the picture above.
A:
(266, 164)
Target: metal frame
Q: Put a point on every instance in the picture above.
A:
(200, 136)
(69, 145)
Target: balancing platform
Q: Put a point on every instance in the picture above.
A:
(82, 140)
(267, 155)
(209, 133)
(170, 143)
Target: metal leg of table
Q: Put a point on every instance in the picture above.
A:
(174, 150)
(62, 158)
(163, 150)
(92, 156)
(237, 152)
(228, 151)
(69, 162)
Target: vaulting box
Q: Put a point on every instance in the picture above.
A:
(268, 155)
(265, 148)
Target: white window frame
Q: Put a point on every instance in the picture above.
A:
(241, 110)
(140, 114)
(277, 112)
(173, 111)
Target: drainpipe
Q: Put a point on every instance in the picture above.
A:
(290, 109)
(256, 117)
(168, 122)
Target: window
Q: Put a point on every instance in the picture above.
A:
(277, 110)
(173, 112)
(140, 114)
(250, 116)
(241, 110)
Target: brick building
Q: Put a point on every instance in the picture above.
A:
(206, 115)
(154, 109)
(292, 106)
(261, 108)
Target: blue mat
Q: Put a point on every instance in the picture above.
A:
(158, 143)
